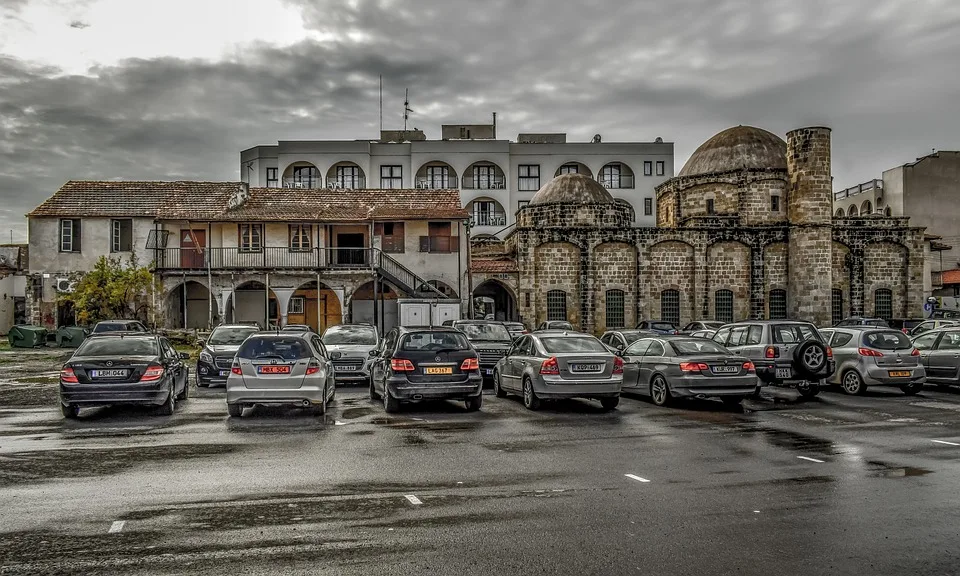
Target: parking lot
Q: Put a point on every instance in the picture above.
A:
(832, 485)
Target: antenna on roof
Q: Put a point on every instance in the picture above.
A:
(381, 102)
(406, 107)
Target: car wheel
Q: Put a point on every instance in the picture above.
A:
(852, 383)
(70, 411)
(530, 399)
(373, 391)
(660, 391)
(235, 410)
(170, 406)
(610, 403)
(911, 388)
(808, 390)
(474, 404)
(390, 404)
(497, 388)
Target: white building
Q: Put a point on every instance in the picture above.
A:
(495, 177)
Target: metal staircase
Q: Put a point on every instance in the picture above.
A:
(403, 278)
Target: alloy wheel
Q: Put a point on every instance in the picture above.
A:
(658, 391)
(851, 383)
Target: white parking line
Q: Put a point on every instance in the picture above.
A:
(116, 527)
(945, 442)
(637, 478)
(810, 459)
(413, 499)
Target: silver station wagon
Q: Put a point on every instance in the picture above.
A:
(552, 365)
(940, 355)
(869, 356)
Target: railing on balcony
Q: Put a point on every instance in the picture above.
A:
(303, 182)
(488, 219)
(859, 189)
(346, 183)
(274, 258)
(617, 183)
(484, 183)
(436, 183)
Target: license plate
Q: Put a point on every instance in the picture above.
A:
(344, 368)
(223, 372)
(273, 369)
(899, 374)
(438, 370)
(108, 373)
(489, 372)
(726, 369)
(586, 367)
(784, 373)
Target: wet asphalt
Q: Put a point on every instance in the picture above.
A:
(833, 485)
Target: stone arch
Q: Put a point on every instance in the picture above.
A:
(189, 305)
(251, 302)
(614, 266)
(317, 306)
(557, 265)
(670, 265)
(498, 299)
(885, 266)
(728, 268)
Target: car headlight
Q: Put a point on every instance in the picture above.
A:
(206, 357)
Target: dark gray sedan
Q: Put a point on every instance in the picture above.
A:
(556, 364)
(940, 356)
(671, 367)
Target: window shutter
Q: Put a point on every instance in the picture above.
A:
(378, 229)
(76, 236)
(424, 243)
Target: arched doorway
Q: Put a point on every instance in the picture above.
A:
(317, 308)
(249, 303)
(493, 299)
(189, 306)
(377, 307)
(446, 289)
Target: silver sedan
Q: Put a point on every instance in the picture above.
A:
(671, 367)
(557, 364)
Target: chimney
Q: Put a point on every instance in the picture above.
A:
(239, 196)
(494, 125)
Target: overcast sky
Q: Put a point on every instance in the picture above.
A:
(174, 89)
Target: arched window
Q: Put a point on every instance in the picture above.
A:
(839, 213)
(556, 305)
(723, 306)
(777, 304)
(852, 211)
(883, 303)
(866, 209)
(616, 309)
(836, 306)
(670, 306)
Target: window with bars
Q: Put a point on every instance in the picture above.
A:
(777, 304)
(883, 303)
(723, 306)
(272, 180)
(670, 306)
(556, 305)
(610, 176)
(300, 235)
(296, 305)
(251, 237)
(616, 312)
(529, 177)
(836, 305)
(391, 176)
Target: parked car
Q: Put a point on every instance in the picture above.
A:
(118, 326)
(666, 368)
(618, 340)
(555, 325)
(550, 365)
(139, 369)
(420, 363)
(297, 328)
(517, 329)
(867, 356)
(905, 325)
(708, 334)
(354, 343)
(785, 352)
(860, 321)
(490, 339)
(281, 369)
(217, 352)
(941, 313)
(940, 355)
(658, 326)
(928, 325)
(701, 325)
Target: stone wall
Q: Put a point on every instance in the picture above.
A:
(670, 264)
(840, 256)
(667, 210)
(614, 266)
(694, 200)
(756, 203)
(885, 266)
(557, 267)
(728, 268)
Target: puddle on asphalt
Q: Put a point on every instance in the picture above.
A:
(353, 413)
(886, 470)
(793, 440)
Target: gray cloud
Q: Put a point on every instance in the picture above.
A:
(878, 72)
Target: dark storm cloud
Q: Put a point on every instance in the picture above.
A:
(880, 73)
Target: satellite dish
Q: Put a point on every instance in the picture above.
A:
(659, 140)
(596, 138)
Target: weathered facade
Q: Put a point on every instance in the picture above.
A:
(745, 231)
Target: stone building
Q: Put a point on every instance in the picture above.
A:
(746, 230)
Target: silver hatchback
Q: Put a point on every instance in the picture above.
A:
(869, 356)
(281, 368)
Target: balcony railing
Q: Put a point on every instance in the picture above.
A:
(312, 183)
(279, 258)
(427, 183)
(859, 189)
(346, 183)
(496, 183)
(488, 219)
(624, 181)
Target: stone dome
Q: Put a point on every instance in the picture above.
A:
(738, 148)
(572, 189)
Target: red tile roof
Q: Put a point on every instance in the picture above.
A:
(493, 265)
(209, 201)
(951, 276)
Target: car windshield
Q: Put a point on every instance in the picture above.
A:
(696, 346)
(434, 342)
(562, 344)
(118, 346)
(230, 335)
(560, 325)
(794, 333)
(662, 326)
(893, 340)
(350, 334)
(488, 332)
(114, 327)
(275, 348)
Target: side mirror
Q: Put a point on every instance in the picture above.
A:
(202, 342)
(184, 356)
(336, 355)
(373, 353)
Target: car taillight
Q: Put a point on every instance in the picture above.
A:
(152, 374)
(749, 367)
(771, 352)
(400, 365)
(904, 330)
(313, 367)
(618, 365)
(550, 366)
(470, 364)
(915, 352)
(829, 352)
(693, 366)
(67, 375)
(869, 352)
(235, 368)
